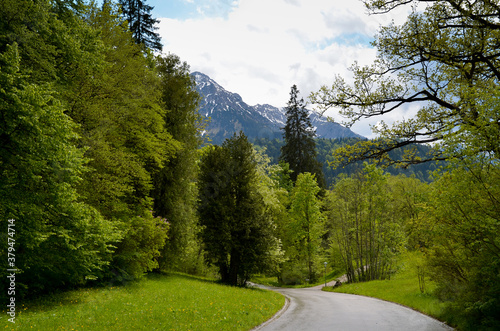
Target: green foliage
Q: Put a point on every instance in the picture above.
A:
(175, 191)
(304, 230)
(409, 199)
(78, 69)
(365, 225)
(139, 250)
(236, 230)
(273, 185)
(465, 257)
(58, 239)
(443, 59)
(282, 175)
(120, 120)
(299, 150)
(123, 133)
(50, 46)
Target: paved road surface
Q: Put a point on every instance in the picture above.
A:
(313, 309)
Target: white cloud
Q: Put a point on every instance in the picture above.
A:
(262, 47)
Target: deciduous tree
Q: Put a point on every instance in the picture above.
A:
(59, 240)
(305, 227)
(175, 191)
(366, 228)
(445, 60)
(465, 255)
(117, 106)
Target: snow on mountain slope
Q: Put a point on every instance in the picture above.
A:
(229, 114)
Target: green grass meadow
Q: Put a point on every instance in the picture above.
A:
(158, 302)
(402, 288)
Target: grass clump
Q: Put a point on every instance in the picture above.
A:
(159, 302)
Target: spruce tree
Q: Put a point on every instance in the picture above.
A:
(141, 23)
(299, 150)
(236, 231)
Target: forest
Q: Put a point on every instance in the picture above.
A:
(104, 178)
(326, 147)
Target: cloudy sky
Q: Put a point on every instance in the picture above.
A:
(260, 48)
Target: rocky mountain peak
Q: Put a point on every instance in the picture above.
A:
(228, 114)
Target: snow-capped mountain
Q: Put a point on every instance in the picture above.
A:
(229, 114)
(273, 114)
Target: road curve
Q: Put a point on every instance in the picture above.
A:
(313, 309)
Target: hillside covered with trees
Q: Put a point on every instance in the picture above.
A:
(93, 126)
(325, 149)
(103, 177)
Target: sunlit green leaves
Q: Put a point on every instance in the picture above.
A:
(367, 223)
(174, 188)
(304, 228)
(465, 256)
(444, 61)
(40, 167)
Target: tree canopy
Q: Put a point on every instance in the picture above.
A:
(175, 191)
(306, 225)
(465, 257)
(39, 169)
(445, 59)
(83, 133)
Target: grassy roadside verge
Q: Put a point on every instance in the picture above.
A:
(159, 302)
(402, 288)
(273, 281)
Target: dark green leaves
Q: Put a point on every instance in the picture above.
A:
(235, 229)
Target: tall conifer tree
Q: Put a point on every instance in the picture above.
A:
(141, 23)
(299, 150)
(236, 231)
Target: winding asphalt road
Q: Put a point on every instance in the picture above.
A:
(313, 309)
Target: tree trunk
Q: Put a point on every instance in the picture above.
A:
(234, 266)
(224, 273)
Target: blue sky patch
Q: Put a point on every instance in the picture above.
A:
(192, 9)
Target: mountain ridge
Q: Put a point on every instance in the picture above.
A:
(229, 114)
